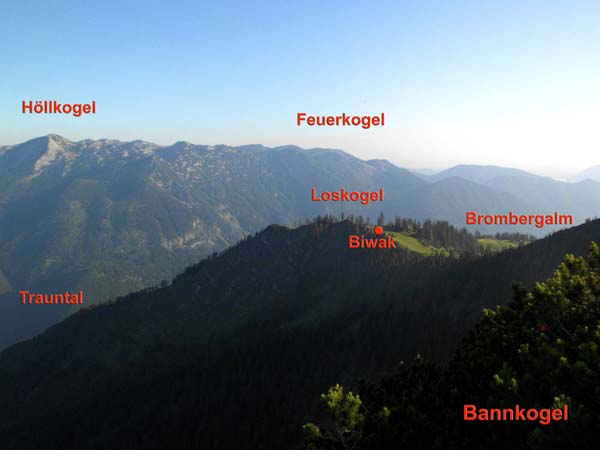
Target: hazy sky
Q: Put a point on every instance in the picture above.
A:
(512, 83)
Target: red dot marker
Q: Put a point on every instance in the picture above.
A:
(378, 229)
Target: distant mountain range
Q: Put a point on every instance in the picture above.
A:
(108, 217)
(482, 174)
(593, 173)
(536, 193)
(236, 350)
(477, 174)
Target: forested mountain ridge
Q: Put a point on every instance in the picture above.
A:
(537, 354)
(450, 198)
(97, 216)
(249, 338)
(108, 217)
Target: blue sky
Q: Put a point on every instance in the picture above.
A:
(510, 83)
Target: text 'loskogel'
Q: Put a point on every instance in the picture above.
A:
(54, 107)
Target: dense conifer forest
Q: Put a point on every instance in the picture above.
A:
(539, 351)
(235, 351)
